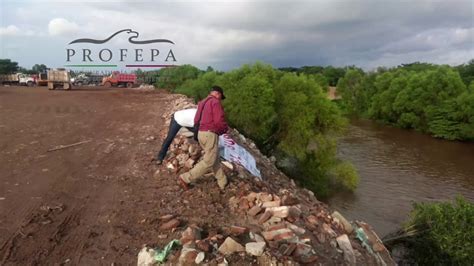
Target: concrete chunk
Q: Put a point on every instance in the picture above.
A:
(230, 246)
(345, 244)
(255, 248)
(347, 226)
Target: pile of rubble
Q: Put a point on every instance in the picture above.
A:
(183, 153)
(145, 87)
(276, 222)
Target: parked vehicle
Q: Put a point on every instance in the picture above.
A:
(42, 79)
(117, 78)
(17, 79)
(59, 77)
(87, 79)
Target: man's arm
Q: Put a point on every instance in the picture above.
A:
(219, 118)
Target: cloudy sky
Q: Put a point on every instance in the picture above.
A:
(227, 34)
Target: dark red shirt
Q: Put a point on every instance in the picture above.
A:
(212, 116)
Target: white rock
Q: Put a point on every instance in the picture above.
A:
(200, 257)
(280, 212)
(345, 244)
(256, 237)
(146, 257)
(170, 166)
(223, 263)
(230, 246)
(255, 248)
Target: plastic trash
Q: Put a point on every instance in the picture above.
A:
(160, 255)
(360, 234)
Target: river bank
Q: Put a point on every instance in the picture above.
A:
(398, 167)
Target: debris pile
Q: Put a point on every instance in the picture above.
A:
(145, 87)
(183, 153)
(273, 221)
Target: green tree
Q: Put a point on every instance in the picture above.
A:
(307, 120)
(467, 72)
(172, 77)
(333, 74)
(198, 88)
(7, 66)
(250, 103)
(454, 118)
(349, 88)
(39, 68)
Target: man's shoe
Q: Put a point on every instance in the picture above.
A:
(159, 162)
(182, 183)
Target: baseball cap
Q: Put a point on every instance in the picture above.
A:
(218, 89)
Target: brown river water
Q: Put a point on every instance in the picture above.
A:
(398, 167)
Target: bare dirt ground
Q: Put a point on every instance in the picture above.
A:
(86, 204)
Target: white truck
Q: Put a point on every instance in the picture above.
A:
(17, 79)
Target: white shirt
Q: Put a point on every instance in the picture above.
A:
(185, 118)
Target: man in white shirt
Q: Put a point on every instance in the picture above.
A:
(183, 118)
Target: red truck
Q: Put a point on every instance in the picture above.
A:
(118, 78)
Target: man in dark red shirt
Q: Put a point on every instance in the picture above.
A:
(211, 120)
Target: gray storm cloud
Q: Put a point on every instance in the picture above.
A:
(283, 33)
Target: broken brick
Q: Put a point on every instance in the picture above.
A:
(264, 217)
(327, 228)
(276, 227)
(166, 217)
(279, 234)
(281, 212)
(170, 224)
(244, 204)
(312, 219)
(264, 197)
(203, 245)
(191, 234)
(289, 249)
(289, 200)
(237, 230)
(254, 210)
(296, 228)
(252, 196)
(302, 250)
(268, 204)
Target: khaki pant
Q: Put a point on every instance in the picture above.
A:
(210, 162)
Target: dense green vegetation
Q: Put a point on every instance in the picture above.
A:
(441, 233)
(433, 99)
(329, 74)
(284, 113)
(7, 66)
(10, 67)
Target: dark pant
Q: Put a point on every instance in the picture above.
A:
(172, 131)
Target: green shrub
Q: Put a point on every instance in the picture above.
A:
(198, 88)
(345, 175)
(425, 97)
(172, 77)
(444, 233)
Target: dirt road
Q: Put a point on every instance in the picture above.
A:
(87, 204)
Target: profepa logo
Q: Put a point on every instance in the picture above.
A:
(106, 57)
